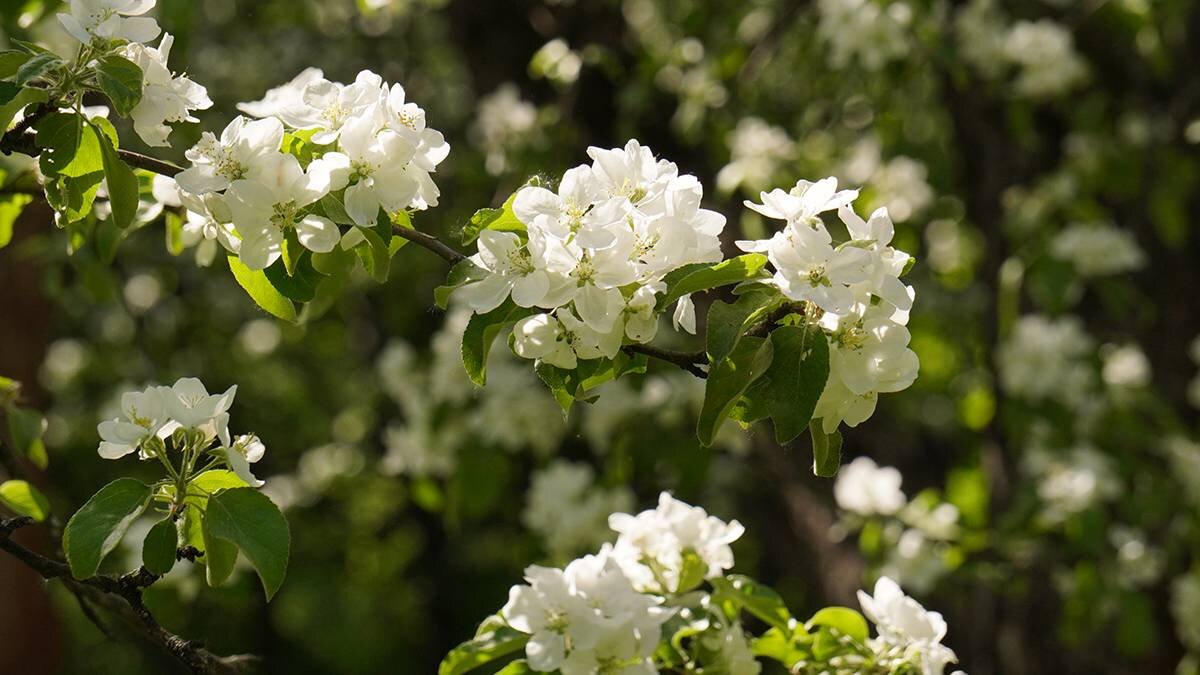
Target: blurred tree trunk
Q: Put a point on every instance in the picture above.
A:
(29, 630)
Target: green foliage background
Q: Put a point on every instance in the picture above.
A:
(387, 573)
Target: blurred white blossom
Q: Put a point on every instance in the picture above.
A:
(865, 488)
(503, 122)
(757, 150)
(1097, 249)
(873, 33)
(1046, 358)
(569, 511)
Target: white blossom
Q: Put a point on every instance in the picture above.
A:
(243, 151)
(110, 20)
(245, 450)
(904, 624)
(595, 252)
(166, 97)
(265, 209)
(585, 617)
(284, 98)
(654, 545)
(144, 415)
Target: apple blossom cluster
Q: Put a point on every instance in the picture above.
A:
(594, 255)
(166, 96)
(599, 608)
(186, 414)
(853, 289)
(371, 153)
(594, 616)
(584, 617)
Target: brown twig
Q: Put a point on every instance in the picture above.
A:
(429, 242)
(689, 361)
(128, 588)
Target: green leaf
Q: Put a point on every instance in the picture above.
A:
(27, 96)
(594, 372)
(36, 66)
(463, 272)
(732, 271)
(374, 253)
(249, 520)
(518, 667)
(261, 290)
(26, 428)
(173, 232)
(728, 380)
(727, 323)
(9, 91)
(210, 482)
(158, 549)
(24, 499)
(331, 205)
(123, 189)
(481, 331)
(96, 528)
(736, 592)
(302, 285)
(73, 197)
(788, 649)
(58, 137)
(29, 47)
(788, 391)
(121, 80)
(220, 556)
(502, 219)
(328, 291)
(827, 452)
(845, 620)
(11, 60)
(484, 648)
(561, 382)
(11, 207)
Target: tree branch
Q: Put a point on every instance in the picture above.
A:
(689, 361)
(429, 242)
(128, 587)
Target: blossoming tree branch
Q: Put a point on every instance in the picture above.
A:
(576, 273)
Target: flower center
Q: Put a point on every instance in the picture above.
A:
(556, 620)
(335, 114)
(284, 214)
(584, 272)
(361, 169)
(520, 261)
